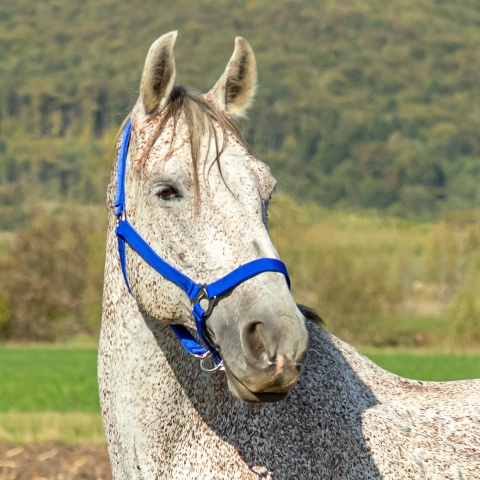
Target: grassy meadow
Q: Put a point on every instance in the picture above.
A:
(428, 366)
(48, 379)
(49, 393)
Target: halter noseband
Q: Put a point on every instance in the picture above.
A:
(195, 292)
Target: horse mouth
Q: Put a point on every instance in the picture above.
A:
(246, 395)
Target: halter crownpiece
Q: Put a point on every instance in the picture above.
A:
(195, 292)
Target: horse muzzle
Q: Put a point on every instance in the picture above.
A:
(269, 363)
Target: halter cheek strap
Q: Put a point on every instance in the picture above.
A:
(197, 293)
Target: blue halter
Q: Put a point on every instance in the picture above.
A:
(195, 292)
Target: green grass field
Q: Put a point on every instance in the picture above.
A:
(435, 367)
(46, 379)
(50, 393)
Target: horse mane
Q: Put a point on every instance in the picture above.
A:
(310, 314)
(201, 117)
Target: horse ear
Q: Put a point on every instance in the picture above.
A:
(158, 74)
(235, 89)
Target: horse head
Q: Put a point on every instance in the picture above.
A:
(199, 198)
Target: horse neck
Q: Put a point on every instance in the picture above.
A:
(392, 390)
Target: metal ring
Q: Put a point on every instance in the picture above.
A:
(216, 366)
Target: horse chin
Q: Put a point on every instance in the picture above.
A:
(245, 395)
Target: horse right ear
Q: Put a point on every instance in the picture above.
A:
(158, 74)
(235, 89)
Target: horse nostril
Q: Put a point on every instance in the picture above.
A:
(252, 327)
(253, 342)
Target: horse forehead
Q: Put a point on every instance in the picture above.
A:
(170, 152)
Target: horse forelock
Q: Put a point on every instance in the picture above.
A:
(202, 117)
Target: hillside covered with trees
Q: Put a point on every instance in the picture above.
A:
(360, 104)
(367, 112)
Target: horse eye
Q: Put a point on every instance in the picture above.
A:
(167, 192)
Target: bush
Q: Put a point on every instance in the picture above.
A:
(340, 265)
(465, 308)
(45, 278)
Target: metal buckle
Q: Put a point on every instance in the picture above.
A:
(121, 216)
(203, 295)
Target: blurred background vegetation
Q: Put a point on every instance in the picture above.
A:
(367, 112)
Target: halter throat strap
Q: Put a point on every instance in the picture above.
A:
(197, 293)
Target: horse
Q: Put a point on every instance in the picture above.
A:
(264, 390)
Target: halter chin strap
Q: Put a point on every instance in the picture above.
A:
(196, 293)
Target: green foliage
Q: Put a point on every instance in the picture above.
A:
(5, 314)
(351, 268)
(452, 262)
(378, 280)
(360, 105)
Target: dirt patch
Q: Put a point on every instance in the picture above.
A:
(54, 461)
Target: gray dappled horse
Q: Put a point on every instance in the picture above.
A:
(187, 228)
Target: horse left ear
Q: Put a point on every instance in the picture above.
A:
(158, 74)
(235, 89)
